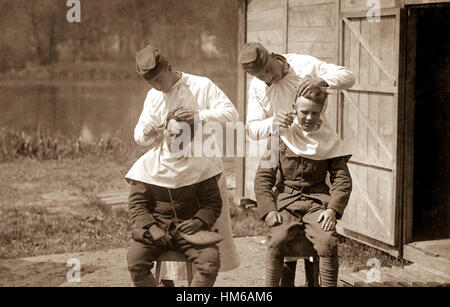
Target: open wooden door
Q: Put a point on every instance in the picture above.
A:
(369, 125)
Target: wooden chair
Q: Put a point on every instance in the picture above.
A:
(300, 249)
(176, 257)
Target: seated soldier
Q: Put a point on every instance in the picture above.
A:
(308, 150)
(162, 215)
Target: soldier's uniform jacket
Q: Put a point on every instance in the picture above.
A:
(300, 177)
(150, 204)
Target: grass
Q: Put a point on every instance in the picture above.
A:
(354, 255)
(245, 222)
(50, 206)
(48, 232)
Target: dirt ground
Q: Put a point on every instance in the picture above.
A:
(107, 268)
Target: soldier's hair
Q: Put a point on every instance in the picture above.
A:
(315, 95)
(171, 115)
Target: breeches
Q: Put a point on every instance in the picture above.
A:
(299, 216)
(206, 260)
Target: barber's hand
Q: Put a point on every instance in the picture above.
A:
(328, 218)
(152, 130)
(185, 114)
(273, 218)
(191, 226)
(309, 83)
(160, 237)
(285, 119)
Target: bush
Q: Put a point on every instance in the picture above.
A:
(15, 143)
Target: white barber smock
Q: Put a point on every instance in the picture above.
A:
(194, 92)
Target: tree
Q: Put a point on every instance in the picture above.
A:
(45, 19)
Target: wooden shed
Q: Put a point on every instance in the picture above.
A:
(395, 118)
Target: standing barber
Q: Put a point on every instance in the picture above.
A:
(277, 80)
(192, 96)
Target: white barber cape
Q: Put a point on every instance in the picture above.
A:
(160, 167)
(321, 144)
(156, 166)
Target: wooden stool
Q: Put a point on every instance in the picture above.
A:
(301, 249)
(176, 257)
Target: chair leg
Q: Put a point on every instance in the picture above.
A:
(158, 272)
(189, 272)
(316, 270)
(288, 275)
(312, 272)
(309, 273)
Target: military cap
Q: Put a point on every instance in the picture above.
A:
(253, 57)
(150, 61)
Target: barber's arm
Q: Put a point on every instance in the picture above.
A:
(220, 108)
(259, 123)
(334, 76)
(326, 76)
(148, 131)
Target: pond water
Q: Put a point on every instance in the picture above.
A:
(88, 110)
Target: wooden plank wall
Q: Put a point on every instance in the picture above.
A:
(265, 19)
(361, 5)
(312, 30)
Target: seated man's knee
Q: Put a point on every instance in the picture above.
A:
(275, 252)
(208, 261)
(209, 268)
(139, 266)
(138, 260)
(327, 245)
(281, 234)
